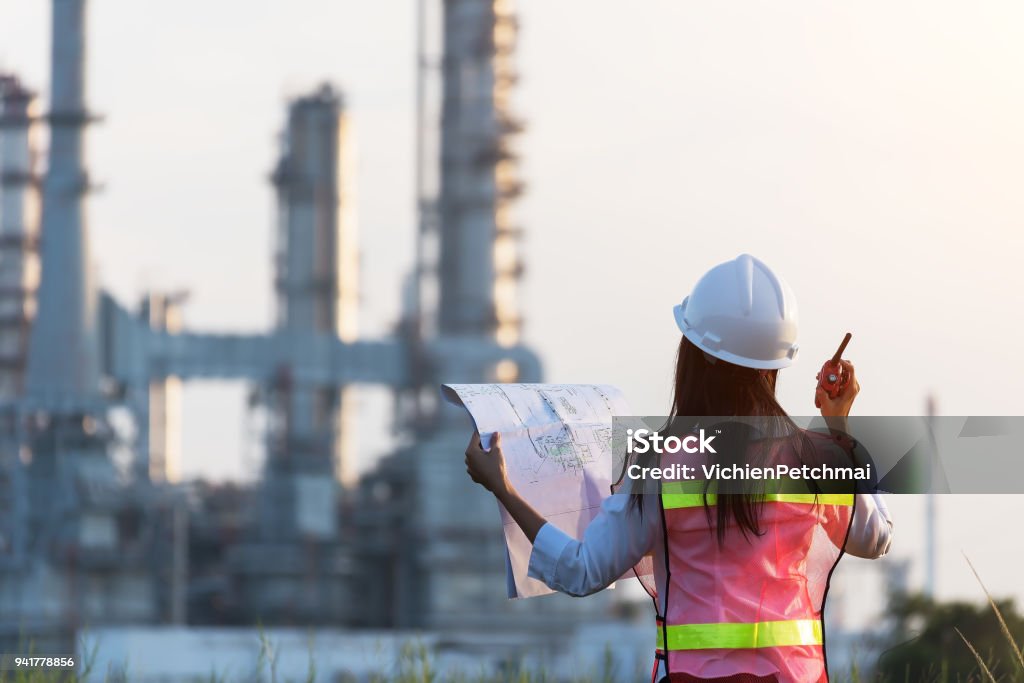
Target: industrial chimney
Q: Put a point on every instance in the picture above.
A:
(63, 361)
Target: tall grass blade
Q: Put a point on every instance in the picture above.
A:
(1014, 648)
(981, 662)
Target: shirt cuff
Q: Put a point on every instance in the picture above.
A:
(548, 546)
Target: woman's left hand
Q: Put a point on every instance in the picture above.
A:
(487, 468)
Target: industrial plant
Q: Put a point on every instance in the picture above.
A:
(85, 542)
(90, 541)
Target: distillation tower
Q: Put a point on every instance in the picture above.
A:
(479, 263)
(423, 524)
(63, 368)
(295, 567)
(19, 277)
(19, 229)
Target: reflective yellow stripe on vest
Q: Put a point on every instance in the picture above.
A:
(736, 636)
(690, 494)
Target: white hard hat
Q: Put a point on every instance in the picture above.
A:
(742, 312)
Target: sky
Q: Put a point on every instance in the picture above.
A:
(870, 152)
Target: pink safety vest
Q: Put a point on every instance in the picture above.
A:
(751, 607)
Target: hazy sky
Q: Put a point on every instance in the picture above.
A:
(871, 152)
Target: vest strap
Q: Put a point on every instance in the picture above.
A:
(673, 501)
(690, 494)
(743, 636)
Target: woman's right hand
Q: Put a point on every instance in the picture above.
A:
(841, 404)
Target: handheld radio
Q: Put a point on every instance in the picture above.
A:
(832, 377)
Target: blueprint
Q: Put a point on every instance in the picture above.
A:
(557, 441)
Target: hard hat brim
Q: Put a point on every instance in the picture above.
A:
(679, 312)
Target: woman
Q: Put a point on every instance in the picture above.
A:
(739, 580)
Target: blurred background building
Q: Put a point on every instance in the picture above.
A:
(90, 540)
(94, 542)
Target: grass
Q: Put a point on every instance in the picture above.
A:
(1015, 650)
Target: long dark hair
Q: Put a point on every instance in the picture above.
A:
(710, 387)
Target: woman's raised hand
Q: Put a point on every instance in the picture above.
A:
(841, 404)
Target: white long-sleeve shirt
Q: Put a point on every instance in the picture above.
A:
(620, 536)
